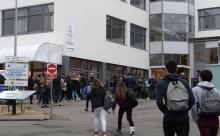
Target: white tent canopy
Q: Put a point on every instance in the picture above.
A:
(46, 52)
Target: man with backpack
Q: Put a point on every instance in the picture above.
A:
(174, 99)
(206, 109)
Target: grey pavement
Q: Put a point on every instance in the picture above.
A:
(70, 119)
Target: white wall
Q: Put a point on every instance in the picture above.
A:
(90, 31)
(203, 4)
(89, 20)
(176, 47)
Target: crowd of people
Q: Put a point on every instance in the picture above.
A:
(173, 94)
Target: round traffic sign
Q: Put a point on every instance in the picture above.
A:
(51, 68)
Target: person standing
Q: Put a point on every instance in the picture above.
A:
(124, 106)
(176, 118)
(31, 86)
(208, 124)
(97, 98)
(44, 91)
(152, 82)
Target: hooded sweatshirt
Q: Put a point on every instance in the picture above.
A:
(161, 98)
(197, 91)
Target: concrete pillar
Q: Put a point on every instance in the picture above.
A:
(66, 64)
(103, 72)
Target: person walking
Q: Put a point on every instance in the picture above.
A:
(178, 98)
(124, 106)
(208, 124)
(97, 98)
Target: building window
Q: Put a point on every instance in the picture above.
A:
(177, 0)
(180, 59)
(175, 27)
(138, 37)
(30, 20)
(209, 19)
(156, 59)
(156, 27)
(212, 55)
(139, 3)
(115, 30)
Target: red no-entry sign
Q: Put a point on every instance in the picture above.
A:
(52, 70)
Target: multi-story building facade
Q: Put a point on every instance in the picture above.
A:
(171, 25)
(204, 47)
(106, 37)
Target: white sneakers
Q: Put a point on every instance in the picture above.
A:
(132, 131)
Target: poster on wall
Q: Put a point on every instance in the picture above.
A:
(69, 40)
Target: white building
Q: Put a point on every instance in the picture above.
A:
(171, 25)
(205, 45)
(106, 37)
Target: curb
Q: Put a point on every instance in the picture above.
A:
(26, 119)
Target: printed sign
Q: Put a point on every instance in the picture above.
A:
(16, 95)
(17, 71)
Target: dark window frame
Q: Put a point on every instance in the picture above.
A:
(116, 27)
(144, 8)
(42, 14)
(209, 15)
(134, 34)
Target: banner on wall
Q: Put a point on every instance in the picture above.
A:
(69, 40)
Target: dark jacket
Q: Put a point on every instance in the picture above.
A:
(161, 93)
(130, 82)
(30, 83)
(98, 97)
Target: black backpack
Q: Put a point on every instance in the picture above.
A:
(131, 99)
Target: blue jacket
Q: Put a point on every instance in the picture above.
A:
(161, 94)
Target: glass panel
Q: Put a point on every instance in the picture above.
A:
(23, 12)
(35, 10)
(22, 25)
(212, 55)
(8, 26)
(138, 3)
(156, 27)
(84, 65)
(137, 37)
(48, 22)
(35, 23)
(9, 14)
(48, 8)
(184, 60)
(156, 59)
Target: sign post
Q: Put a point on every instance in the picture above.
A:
(51, 73)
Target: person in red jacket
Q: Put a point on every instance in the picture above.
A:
(120, 98)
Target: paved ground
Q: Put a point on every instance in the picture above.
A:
(70, 119)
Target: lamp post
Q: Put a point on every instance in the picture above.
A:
(15, 48)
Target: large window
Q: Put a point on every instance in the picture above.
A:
(139, 3)
(115, 30)
(30, 20)
(155, 59)
(175, 27)
(212, 55)
(138, 37)
(209, 19)
(180, 59)
(156, 27)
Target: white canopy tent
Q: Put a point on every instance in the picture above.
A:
(45, 52)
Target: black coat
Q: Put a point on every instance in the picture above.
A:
(98, 97)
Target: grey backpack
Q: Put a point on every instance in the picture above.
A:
(210, 103)
(177, 96)
(109, 100)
